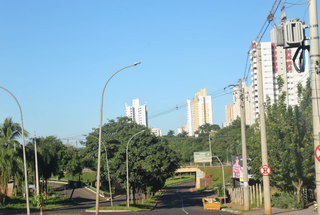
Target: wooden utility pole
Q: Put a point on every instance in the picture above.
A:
(264, 152)
(315, 83)
(244, 149)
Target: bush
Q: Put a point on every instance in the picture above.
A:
(287, 200)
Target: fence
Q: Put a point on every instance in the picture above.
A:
(255, 195)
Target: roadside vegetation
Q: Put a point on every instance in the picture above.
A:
(153, 160)
(142, 205)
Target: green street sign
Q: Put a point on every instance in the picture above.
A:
(202, 157)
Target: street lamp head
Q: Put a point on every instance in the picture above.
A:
(136, 63)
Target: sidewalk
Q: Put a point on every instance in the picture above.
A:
(306, 211)
(259, 211)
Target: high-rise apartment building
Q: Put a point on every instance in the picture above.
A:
(183, 128)
(275, 61)
(234, 111)
(247, 96)
(138, 114)
(229, 114)
(199, 111)
(156, 131)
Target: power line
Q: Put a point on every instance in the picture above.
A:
(215, 94)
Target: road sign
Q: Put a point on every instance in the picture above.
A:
(202, 157)
(317, 152)
(265, 170)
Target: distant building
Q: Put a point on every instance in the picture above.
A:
(199, 111)
(138, 114)
(247, 104)
(183, 128)
(156, 131)
(229, 115)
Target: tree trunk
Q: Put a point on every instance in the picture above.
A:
(298, 187)
(34, 178)
(134, 193)
(42, 185)
(46, 190)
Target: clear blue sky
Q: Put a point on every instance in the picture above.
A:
(55, 57)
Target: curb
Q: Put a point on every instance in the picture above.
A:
(231, 211)
(93, 211)
(157, 200)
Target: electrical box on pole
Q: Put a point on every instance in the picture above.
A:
(289, 34)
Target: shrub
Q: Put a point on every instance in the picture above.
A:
(287, 200)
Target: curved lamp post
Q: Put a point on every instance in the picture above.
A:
(224, 185)
(105, 148)
(100, 131)
(24, 154)
(128, 204)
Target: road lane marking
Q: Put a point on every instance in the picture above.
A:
(182, 203)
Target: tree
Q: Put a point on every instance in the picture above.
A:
(207, 128)
(151, 160)
(9, 132)
(10, 158)
(170, 133)
(289, 139)
(48, 148)
(11, 166)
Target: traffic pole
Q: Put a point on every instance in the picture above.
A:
(264, 152)
(244, 150)
(315, 83)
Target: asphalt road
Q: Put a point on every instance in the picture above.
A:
(177, 200)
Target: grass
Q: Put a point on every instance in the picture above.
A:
(177, 179)
(216, 173)
(16, 203)
(147, 204)
(91, 176)
(54, 200)
(64, 214)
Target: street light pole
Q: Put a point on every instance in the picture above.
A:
(24, 154)
(128, 203)
(105, 148)
(224, 185)
(36, 160)
(100, 132)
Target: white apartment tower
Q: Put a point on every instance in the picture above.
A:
(275, 61)
(138, 114)
(199, 111)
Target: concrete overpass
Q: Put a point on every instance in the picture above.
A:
(199, 173)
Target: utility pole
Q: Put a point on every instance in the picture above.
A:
(264, 152)
(36, 160)
(210, 149)
(244, 150)
(315, 83)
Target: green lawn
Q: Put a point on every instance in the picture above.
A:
(16, 203)
(177, 179)
(91, 176)
(148, 204)
(216, 173)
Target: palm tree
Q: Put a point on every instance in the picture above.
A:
(9, 132)
(11, 166)
(48, 161)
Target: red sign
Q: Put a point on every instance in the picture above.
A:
(265, 170)
(317, 152)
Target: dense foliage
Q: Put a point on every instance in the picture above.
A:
(289, 142)
(150, 159)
